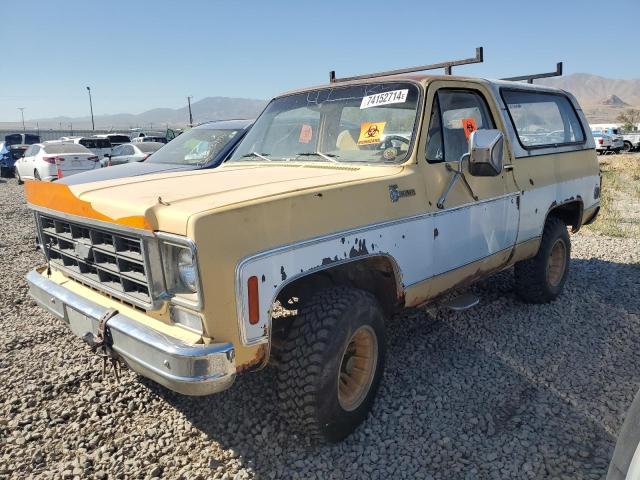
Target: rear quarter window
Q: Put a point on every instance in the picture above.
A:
(543, 119)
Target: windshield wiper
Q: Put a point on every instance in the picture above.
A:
(327, 156)
(263, 156)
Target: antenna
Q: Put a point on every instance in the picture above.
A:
(479, 58)
(531, 78)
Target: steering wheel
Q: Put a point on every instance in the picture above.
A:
(388, 141)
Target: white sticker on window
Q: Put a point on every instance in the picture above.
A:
(395, 96)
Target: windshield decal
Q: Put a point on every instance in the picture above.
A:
(306, 134)
(371, 132)
(386, 98)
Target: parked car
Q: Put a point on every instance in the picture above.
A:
(183, 270)
(53, 161)
(149, 138)
(6, 161)
(9, 155)
(130, 152)
(631, 141)
(115, 138)
(202, 147)
(606, 143)
(625, 463)
(99, 146)
(21, 139)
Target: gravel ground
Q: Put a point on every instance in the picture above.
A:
(504, 390)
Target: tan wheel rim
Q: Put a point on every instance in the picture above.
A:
(357, 368)
(557, 263)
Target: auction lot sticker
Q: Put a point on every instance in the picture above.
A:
(371, 132)
(386, 98)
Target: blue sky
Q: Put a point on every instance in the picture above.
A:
(139, 55)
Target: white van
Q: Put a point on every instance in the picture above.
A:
(99, 146)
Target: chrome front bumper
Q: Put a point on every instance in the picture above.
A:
(184, 368)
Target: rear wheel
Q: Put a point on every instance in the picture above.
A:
(18, 177)
(331, 363)
(541, 279)
(627, 147)
(36, 174)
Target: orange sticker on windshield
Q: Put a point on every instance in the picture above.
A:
(371, 132)
(306, 134)
(469, 125)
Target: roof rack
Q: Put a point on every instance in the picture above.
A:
(446, 65)
(531, 78)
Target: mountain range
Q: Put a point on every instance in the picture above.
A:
(602, 100)
(210, 108)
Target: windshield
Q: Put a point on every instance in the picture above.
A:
(371, 123)
(194, 147)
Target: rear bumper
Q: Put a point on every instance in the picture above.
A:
(184, 368)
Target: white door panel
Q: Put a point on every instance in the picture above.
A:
(471, 233)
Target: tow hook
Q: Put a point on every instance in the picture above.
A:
(102, 343)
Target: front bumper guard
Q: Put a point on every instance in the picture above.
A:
(184, 368)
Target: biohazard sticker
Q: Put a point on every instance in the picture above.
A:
(306, 134)
(469, 125)
(371, 132)
(386, 98)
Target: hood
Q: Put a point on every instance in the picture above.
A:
(166, 201)
(125, 170)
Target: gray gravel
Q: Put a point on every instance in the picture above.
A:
(505, 390)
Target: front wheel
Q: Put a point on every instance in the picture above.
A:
(541, 279)
(331, 363)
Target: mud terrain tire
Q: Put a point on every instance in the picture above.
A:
(327, 345)
(541, 279)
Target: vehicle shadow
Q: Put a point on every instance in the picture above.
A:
(504, 390)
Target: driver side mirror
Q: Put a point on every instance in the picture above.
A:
(485, 153)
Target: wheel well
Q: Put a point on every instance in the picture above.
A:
(569, 212)
(378, 275)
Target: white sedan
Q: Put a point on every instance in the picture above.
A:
(51, 161)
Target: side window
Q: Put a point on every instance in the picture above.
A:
(35, 150)
(456, 114)
(29, 151)
(128, 150)
(543, 119)
(117, 151)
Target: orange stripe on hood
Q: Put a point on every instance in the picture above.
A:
(57, 196)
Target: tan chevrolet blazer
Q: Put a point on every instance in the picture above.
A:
(343, 204)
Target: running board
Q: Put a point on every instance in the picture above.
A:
(461, 302)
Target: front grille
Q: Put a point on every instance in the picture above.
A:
(109, 261)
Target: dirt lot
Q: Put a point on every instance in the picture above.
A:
(504, 390)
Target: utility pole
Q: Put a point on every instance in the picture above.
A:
(22, 113)
(93, 126)
(190, 115)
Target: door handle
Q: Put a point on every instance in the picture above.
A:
(508, 167)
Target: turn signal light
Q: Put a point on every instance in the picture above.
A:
(254, 300)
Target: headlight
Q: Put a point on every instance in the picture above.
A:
(187, 269)
(180, 270)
